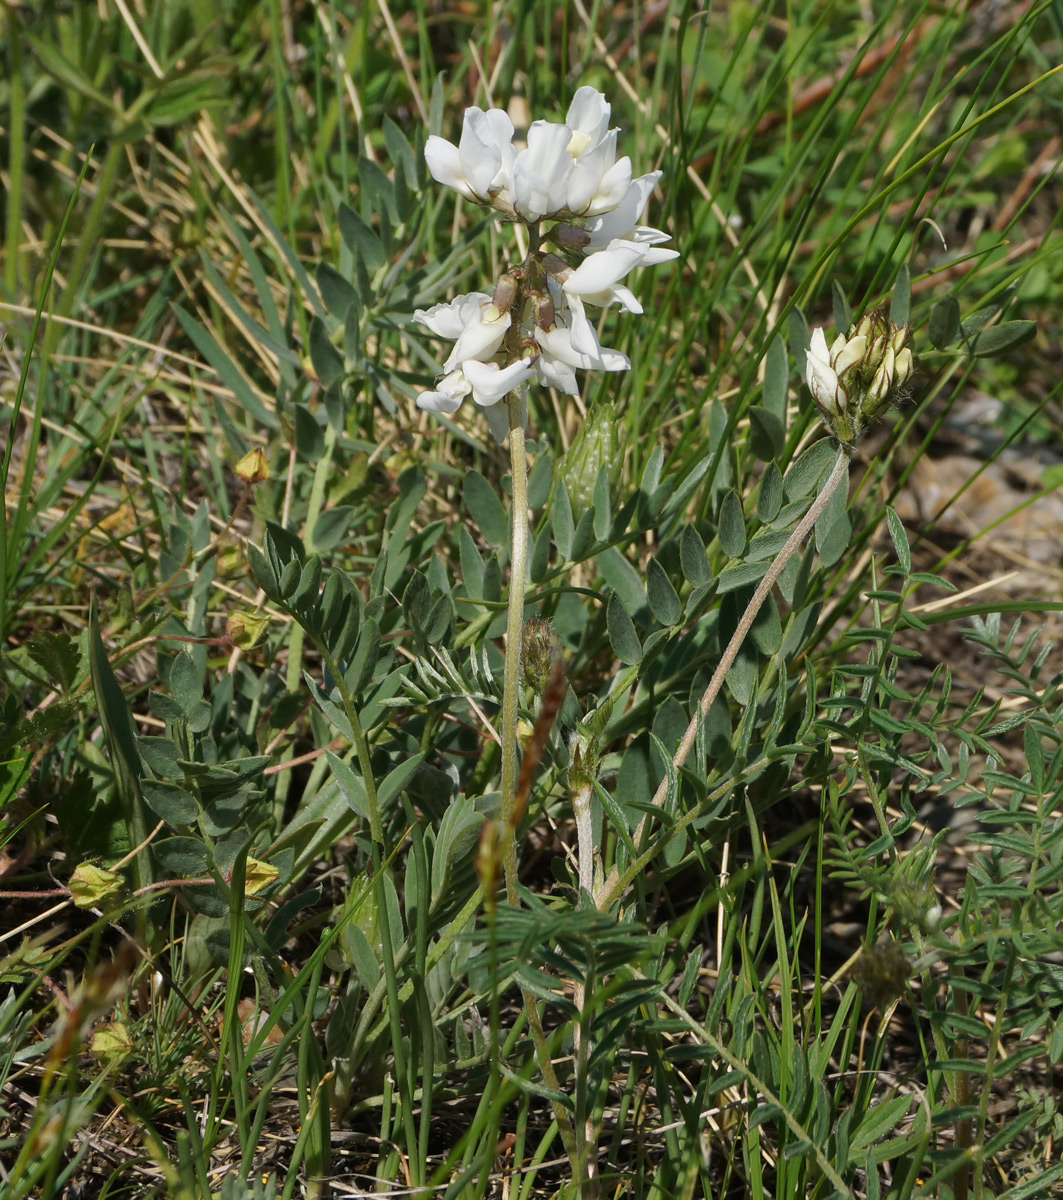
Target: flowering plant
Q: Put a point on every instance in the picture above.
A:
(535, 323)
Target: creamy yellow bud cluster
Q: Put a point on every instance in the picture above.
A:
(854, 379)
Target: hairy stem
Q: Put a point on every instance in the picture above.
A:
(511, 685)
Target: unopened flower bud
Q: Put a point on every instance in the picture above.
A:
(505, 293)
(540, 651)
(594, 447)
(253, 466)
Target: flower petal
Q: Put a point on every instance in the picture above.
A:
(481, 338)
(601, 270)
(448, 395)
(490, 382)
(541, 172)
(444, 164)
(450, 319)
(557, 344)
(552, 372)
(583, 338)
(479, 149)
(613, 187)
(589, 171)
(589, 114)
(620, 223)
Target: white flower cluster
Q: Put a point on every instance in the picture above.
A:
(567, 173)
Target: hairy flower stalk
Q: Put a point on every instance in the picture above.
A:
(581, 208)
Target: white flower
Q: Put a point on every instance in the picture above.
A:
(559, 359)
(541, 172)
(487, 382)
(479, 165)
(588, 119)
(620, 220)
(448, 394)
(473, 321)
(599, 273)
(491, 383)
(597, 281)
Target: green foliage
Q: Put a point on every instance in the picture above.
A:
(299, 836)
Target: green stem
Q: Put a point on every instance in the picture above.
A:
(13, 264)
(514, 629)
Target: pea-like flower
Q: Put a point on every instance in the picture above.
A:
(477, 326)
(479, 165)
(597, 281)
(567, 168)
(560, 358)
